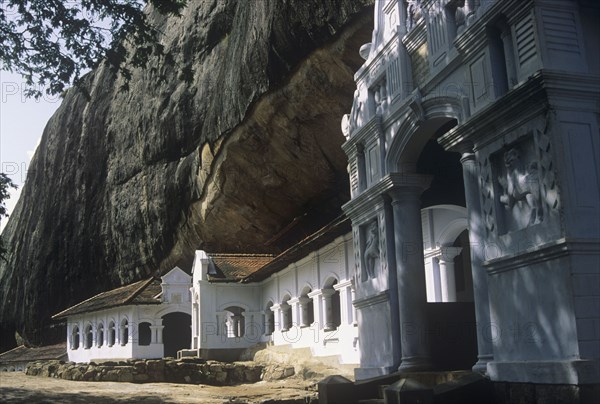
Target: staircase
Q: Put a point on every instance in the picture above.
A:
(410, 387)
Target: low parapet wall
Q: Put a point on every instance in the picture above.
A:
(186, 370)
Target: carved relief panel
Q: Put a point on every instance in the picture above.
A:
(371, 251)
(518, 184)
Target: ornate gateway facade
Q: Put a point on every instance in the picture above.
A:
(510, 90)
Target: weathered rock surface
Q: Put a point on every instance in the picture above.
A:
(220, 150)
(149, 371)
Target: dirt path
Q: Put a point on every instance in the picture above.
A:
(18, 388)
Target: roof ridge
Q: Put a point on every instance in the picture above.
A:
(241, 255)
(13, 349)
(59, 314)
(139, 290)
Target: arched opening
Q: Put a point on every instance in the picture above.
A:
(100, 335)
(144, 334)
(75, 338)
(111, 333)
(450, 322)
(124, 336)
(286, 311)
(307, 307)
(331, 296)
(269, 319)
(177, 333)
(89, 337)
(235, 323)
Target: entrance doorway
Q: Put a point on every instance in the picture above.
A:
(177, 334)
(451, 326)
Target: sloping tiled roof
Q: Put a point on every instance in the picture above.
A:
(319, 239)
(142, 292)
(25, 354)
(233, 267)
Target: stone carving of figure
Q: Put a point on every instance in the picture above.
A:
(355, 112)
(521, 185)
(413, 13)
(346, 125)
(380, 98)
(459, 15)
(372, 249)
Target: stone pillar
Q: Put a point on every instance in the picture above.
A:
(447, 278)
(317, 297)
(412, 298)
(286, 316)
(305, 311)
(328, 305)
(276, 309)
(295, 308)
(269, 321)
(159, 334)
(352, 299)
(345, 301)
(479, 274)
(236, 324)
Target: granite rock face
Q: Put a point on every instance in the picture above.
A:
(219, 146)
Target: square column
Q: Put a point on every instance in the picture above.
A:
(317, 297)
(410, 268)
(276, 309)
(346, 308)
(295, 309)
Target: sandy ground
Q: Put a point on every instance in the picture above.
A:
(17, 387)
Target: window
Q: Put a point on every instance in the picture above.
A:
(269, 319)
(88, 337)
(286, 310)
(124, 332)
(111, 333)
(144, 334)
(75, 338)
(100, 335)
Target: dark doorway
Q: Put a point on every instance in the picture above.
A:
(177, 333)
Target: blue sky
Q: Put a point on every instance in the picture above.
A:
(22, 122)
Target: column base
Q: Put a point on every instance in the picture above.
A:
(369, 373)
(415, 364)
(482, 362)
(579, 371)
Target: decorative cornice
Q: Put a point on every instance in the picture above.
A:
(372, 300)
(362, 135)
(529, 97)
(541, 253)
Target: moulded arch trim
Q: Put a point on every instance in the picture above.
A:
(285, 293)
(224, 306)
(306, 285)
(146, 320)
(269, 300)
(431, 107)
(327, 280)
(449, 234)
(174, 309)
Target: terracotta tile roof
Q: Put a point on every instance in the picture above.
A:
(233, 267)
(142, 292)
(25, 354)
(319, 239)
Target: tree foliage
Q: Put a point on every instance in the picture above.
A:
(5, 184)
(52, 43)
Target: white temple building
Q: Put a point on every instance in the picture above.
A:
(147, 319)
(472, 237)
(302, 298)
